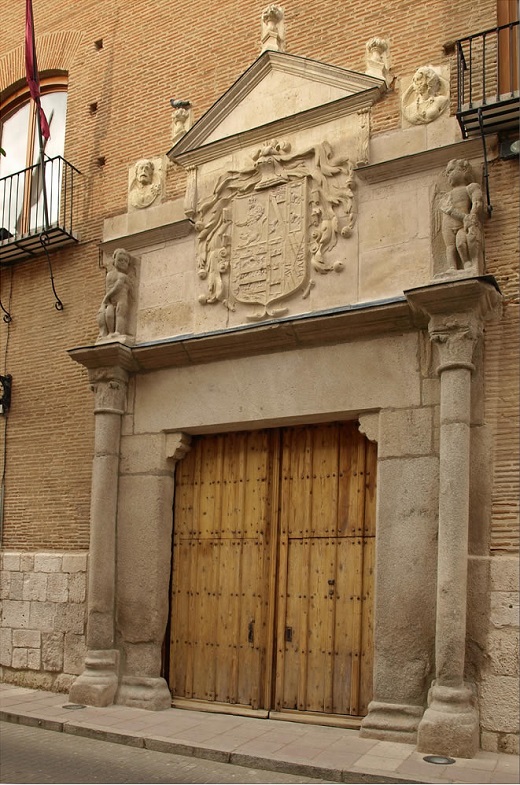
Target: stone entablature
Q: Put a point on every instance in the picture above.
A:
(42, 631)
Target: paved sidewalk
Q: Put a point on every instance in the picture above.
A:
(328, 753)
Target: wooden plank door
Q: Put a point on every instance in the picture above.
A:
(327, 519)
(272, 570)
(221, 566)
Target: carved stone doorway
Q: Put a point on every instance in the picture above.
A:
(273, 561)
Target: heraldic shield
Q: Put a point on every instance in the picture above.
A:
(268, 243)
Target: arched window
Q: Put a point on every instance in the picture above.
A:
(21, 183)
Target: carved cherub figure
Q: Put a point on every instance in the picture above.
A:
(426, 98)
(144, 190)
(112, 317)
(461, 211)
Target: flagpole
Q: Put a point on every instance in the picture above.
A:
(39, 126)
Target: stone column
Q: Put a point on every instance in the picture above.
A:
(144, 556)
(97, 685)
(450, 724)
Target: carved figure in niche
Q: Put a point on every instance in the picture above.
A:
(273, 30)
(426, 98)
(145, 187)
(272, 223)
(461, 222)
(377, 60)
(113, 314)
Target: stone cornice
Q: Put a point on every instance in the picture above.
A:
(403, 314)
(308, 330)
(423, 161)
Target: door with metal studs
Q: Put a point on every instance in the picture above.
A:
(273, 559)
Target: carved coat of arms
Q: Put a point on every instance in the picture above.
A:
(267, 227)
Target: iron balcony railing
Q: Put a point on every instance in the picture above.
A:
(487, 80)
(37, 209)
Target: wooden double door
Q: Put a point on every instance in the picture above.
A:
(273, 561)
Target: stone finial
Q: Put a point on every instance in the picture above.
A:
(181, 122)
(426, 98)
(273, 28)
(114, 313)
(459, 213)
(145, 183)
(378, 59)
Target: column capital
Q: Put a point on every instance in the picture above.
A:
(455, 314)
(109, 386)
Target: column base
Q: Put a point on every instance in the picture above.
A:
(391, 722)
(144, 692)
(450, 725)
(97, 685)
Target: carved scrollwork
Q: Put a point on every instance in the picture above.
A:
(456, 337)
(109, 386)
(269, 224)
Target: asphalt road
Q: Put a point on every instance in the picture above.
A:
(33, 755)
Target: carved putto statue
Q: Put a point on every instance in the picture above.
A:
(378, 60)
(273, 28)
(268, 226)
(145, 186)
(114, 312)
(461, 218)
(426, 98)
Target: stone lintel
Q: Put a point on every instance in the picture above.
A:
(310, 330)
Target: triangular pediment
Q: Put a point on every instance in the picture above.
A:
(276, 88)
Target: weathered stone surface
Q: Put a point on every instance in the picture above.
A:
(52, 651)
(505, 573)
(42, 616)
(77, 587)
(405, 432)
(141, 454)
(74, 562)
(6, 647)
(499, 704)
(15, 614)
(47, 562)
(57, 587)
(29, 638)
(33, 659)
(19, 659)
(26, 562)
(5, 584)
(16, 586)
(503, 651)
(70, 618)
(74, 653)
(11, 561)
(35, 586)
(504, 609)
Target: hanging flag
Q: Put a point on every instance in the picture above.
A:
(31, 68)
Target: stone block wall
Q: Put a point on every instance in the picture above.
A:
(499, 710)
(42, 622)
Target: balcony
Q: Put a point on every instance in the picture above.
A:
(487, 81)
(36, 210)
